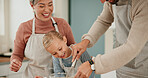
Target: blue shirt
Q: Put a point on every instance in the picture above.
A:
(67, 63)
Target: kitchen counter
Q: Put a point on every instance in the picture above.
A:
(6, 60)
(5, 70)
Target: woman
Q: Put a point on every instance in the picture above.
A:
(130, 57)
(28, 41)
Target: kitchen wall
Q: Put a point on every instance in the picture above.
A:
(15, 12)
(61, 9)
(4, 25)
(2, 17)
(19, 11)
(83, 13)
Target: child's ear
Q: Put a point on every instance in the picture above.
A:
(64, 39)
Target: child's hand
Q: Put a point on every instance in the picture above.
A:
(38, 77)
(15, 65)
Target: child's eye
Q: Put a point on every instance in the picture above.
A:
(54, 53)
(60, 49)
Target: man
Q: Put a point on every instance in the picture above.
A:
(130, 57)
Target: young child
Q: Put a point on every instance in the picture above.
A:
(56, 44)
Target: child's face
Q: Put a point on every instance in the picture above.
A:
(59, 48)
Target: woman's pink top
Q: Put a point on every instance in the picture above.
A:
(41, 27)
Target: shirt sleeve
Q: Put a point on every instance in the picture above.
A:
(57, 68)
(99, 27)
(85, 57)
(19, 44)
(137, 38)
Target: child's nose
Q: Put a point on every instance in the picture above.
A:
(60, 53)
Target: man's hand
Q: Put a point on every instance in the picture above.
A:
(15, 65)
(79, 49)
(84, 71)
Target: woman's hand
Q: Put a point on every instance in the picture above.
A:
(84, 70)
(15, 65)
(79, 49)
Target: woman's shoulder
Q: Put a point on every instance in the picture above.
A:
(26, 24)
(59, 20)
(56, 18)
(62, 23)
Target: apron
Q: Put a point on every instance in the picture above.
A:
(67, 69)
(40, 61)
(138, 67)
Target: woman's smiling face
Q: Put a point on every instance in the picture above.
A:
(43, 9)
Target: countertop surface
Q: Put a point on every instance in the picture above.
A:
(6, 60)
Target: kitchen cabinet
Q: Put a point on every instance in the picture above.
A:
(5, 72)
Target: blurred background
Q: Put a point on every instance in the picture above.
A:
(80, 14)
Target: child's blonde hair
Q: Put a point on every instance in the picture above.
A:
(48, 38)
(34, 2)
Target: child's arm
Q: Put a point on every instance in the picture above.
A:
(85, 57)
(57, 68)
